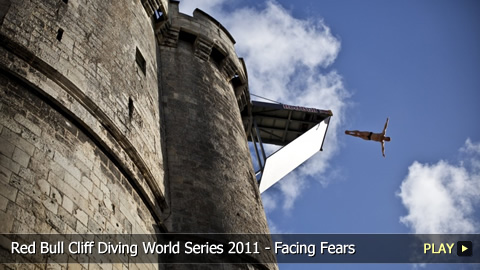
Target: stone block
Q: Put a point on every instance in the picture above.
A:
(7, 222)
(66, 217)
(28, 124)
(81, 228)
(17, 140)
(81, 216)
(43, 186)
(9, 164)
(67, 165)
(50, 205)
(56, 196)
(6, 148)
(87, 183)
(21, 157)
(4, 174)
(3, 203)
(68, 205)
(76, 185)
(8, 191)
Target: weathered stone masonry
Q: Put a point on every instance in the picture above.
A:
(112, 121)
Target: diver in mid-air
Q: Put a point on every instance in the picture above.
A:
(370, 136)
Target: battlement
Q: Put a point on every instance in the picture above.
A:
(211, 42)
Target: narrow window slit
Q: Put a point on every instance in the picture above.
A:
(65, 1)
(59, 34)
(130, 108)
(142, 64)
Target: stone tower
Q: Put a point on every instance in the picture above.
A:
(122, 117)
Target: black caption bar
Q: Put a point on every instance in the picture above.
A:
(241, 248)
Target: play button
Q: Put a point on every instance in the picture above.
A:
(464, 248)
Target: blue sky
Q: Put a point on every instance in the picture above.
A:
(417, 62)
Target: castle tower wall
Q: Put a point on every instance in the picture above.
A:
(211, 182)
(81, 150)
(114, 122)
(210, 173)
(212, 187)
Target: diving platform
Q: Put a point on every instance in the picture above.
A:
(300, 131)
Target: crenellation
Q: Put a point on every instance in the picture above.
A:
(203, 48)
(207, 44)
(229, 69)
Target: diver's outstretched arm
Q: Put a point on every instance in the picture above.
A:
(383, 148)
(385, 128)
(352, 132)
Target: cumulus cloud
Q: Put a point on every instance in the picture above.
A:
(441, 197)
(282, 53)
(470, 147)
(269, 203)
(209, 6)
(287, 60)
(291, 187)
(274, 228)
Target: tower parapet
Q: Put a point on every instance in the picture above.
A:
(211, 42)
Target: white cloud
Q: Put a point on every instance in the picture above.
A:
(441, 198)
(291, 186)
(274, 228)
(209, 6)
(269, 203)
(471, 148)
(286, 58)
